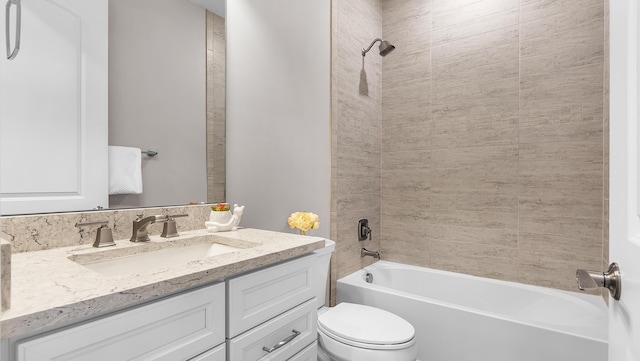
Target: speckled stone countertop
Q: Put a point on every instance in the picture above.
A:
(51, 288)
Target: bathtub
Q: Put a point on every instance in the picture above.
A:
(459, 317)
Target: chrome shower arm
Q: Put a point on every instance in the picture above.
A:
(370, 46)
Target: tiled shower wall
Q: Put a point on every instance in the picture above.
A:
(491, 153)
(493, 156)
(356, 123)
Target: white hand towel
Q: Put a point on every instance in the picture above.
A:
(125, 170)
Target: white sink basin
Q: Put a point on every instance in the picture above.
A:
(158, 259)
(127, 259)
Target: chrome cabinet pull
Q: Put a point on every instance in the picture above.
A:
(283, 342)
(12, 54)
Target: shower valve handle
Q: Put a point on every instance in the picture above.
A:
(364, 231)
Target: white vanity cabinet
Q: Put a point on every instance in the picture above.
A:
(272, 312)
(265, 315)
(176, 328)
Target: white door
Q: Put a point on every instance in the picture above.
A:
(53, 108)
(624, 234)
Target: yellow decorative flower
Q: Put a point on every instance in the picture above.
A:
(304, 221)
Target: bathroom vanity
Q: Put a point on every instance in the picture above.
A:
(253, 302)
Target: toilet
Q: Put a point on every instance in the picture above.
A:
(353, 332)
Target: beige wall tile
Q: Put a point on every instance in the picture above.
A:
(484, 67)
(490, 22)
(475, 43)
(406, 133)
(475, 259)
(490, 89)
(552, 259)
(489, 136)
(540, 9)
(563, 21)
(501, 237)
(591, 33)
(458, 12)
(549, 133)
(572, 55)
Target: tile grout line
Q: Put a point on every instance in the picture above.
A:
(518, 276)
(431, 121)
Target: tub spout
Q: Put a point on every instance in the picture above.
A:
(591, 280)
(364, 252)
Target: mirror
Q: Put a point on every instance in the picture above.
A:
(166, 94)
(166, 91)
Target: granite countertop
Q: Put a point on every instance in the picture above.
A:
(51, 288)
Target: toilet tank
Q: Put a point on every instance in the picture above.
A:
(321, 272)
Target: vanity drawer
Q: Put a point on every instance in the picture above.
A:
(302, 319)
(261, 295)
(217, 354)
(177, 328)
(308, 354)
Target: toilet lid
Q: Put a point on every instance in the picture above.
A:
(365, 324)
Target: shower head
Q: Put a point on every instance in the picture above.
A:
(385, 48)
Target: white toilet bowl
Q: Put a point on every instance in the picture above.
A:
(352, 332)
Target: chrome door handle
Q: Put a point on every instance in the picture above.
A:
(283, 342)
(591, 280)
(12, 54)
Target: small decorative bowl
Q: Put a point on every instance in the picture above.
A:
(220, 207)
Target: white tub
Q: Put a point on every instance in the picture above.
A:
(459, 317)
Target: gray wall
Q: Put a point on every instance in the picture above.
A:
(157, 74)
(278, 110)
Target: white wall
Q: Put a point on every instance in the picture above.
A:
(157, 84)
(278, 110)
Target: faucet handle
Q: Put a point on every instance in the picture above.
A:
(104, 237)
(170, 229)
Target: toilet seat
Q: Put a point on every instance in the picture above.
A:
(366, 327)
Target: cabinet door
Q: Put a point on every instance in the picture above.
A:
(176, 328)
(54, 109)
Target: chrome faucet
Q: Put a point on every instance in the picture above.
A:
(364, 252)
(140, 232)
